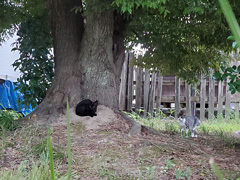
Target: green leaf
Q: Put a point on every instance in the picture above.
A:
(230, 69)
(222, 68)
(235, 45)
(224, 76)
(216, 170)
(238, 69)
(49, 145)
(232, 88)
(217, 76)
(178, 173)
(231, 38)
(238, 88)
(232, 21)
(237, 82)
(233, 91)
(232, 77)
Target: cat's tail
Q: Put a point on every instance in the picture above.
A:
(196, 121)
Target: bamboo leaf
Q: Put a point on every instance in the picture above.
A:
(216, 170)
(231, 19)
(49, 144)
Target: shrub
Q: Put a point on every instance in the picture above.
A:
(8, 119)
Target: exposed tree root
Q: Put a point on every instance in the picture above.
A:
(137, 128)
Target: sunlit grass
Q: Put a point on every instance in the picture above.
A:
(171, 125)
(215, 125)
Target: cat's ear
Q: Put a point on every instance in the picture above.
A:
(184, 114)
(95, 104)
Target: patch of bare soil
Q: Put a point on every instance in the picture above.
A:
(104, 115)
(103, 149)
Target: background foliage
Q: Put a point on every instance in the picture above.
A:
(181, 37)
(36, 59)
(36, 63)
(226, 71)
(185, 41)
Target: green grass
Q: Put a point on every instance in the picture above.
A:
(40, 166)
(215, 126)
(37, 143)
(220, 125)
(9, 120)
(39, 170)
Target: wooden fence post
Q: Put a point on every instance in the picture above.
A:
(132, 86)
(202, 97)
(159, 92)
(193, 103)
(146, 91)
(152, 94)
(138, 89)
(228, 101)
(220, 98)
(123, 85)
(177, 96)
(211, 96)
(188, 99)
(130, 83)
(236, 105)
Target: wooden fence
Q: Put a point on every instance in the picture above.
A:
(148, 90)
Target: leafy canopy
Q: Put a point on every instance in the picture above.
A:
(36, 59)
(182, 37)
(30, 20)
(231, 72)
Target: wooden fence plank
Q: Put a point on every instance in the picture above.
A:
(202, 97)
(220, 98)
(228, 98)
(177, 96)
(211, 96)
(132, 89)
(130, 83)
(152, 94)
(228, 101)
(236, 105)
(159, 92)
(146, 91)
(193, 101)
(123, 87)
(188, 99)
(138, 89)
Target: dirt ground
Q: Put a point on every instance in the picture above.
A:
(107, 151)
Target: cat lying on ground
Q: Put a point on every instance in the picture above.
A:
(87, 108)
(188, 123)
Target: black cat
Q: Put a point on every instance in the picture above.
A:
(87, 108)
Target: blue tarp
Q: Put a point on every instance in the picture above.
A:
(9, 97)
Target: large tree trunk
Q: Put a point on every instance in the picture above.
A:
(88, 58)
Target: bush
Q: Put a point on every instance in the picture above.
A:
(8, 119)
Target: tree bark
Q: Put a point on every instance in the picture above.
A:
(89, 54)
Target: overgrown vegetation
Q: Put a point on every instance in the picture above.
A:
(8, 119)
(107, 163)
(219, 127)
(32, 170)
(44, 168)
(35, 63)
